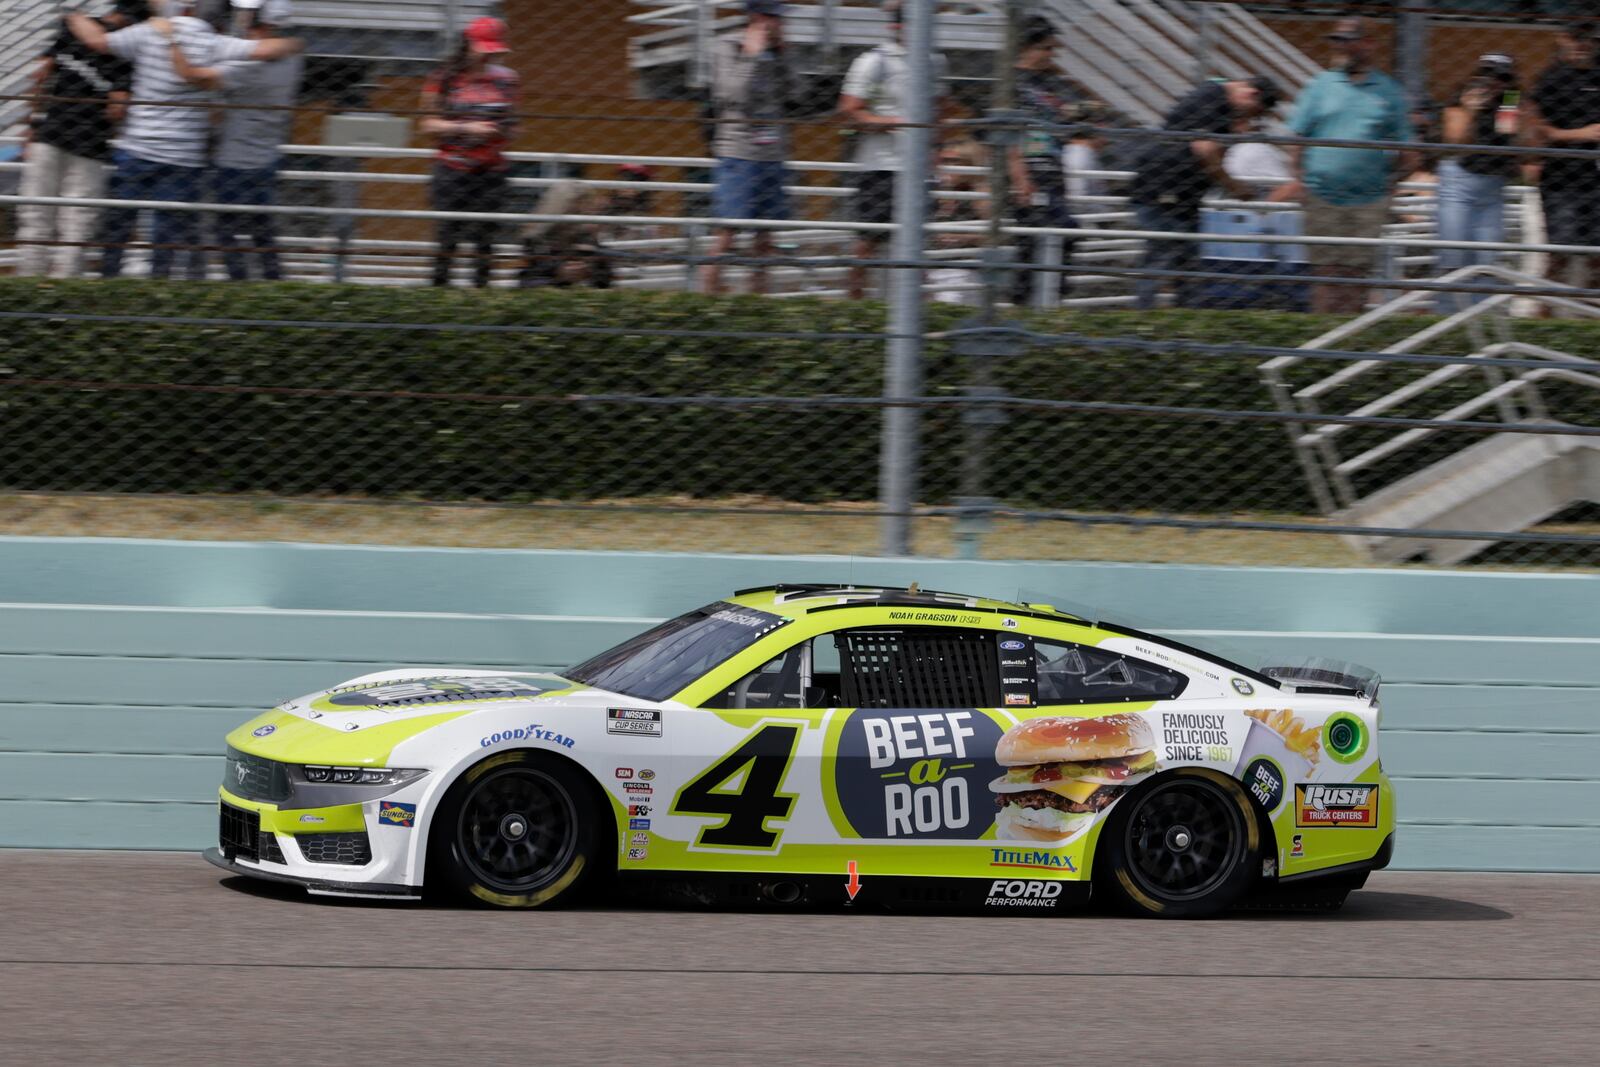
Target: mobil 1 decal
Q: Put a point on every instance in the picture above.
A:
(916, 773)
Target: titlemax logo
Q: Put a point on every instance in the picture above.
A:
(1323, 797)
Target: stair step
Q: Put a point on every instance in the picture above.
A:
(1507, 482)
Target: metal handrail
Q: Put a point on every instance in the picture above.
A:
(1489, 398)
(1327, 473)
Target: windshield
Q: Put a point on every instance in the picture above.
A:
(662, 660)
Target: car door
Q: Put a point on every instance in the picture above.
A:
(913, 743)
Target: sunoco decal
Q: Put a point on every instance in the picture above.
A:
(904, 774)
(1336, 805)
(397, 814)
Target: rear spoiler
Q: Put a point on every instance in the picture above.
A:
(1330, 676)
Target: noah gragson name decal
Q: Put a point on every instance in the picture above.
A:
(1195, 737)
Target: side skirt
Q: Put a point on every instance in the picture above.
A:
(901, 894)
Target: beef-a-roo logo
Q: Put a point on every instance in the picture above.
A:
(1336, 805)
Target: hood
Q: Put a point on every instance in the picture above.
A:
(360, 722)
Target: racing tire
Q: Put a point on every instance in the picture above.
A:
(1185, 845)
(519, 830)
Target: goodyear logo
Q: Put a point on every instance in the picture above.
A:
(397, 814)
(1024, 857)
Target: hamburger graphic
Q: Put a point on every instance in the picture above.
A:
(1061, 771)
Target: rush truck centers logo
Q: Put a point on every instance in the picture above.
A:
(1336, 805)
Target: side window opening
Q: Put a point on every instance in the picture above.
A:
(929, 667)
(1083, 674)
(777, 683)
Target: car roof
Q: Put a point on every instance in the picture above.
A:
(793, 600)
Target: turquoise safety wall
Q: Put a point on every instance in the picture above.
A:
(122, 664)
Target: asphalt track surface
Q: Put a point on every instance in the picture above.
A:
(141, 958)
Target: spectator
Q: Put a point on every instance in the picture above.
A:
(1084, 152)
(1038, 183)
(952, 283)
(1472, 186)
(564, 254)
(633, 202)
(67, 146)
(162, 151)
(1174, 176)
(752, 86)
(1263, 166)
(470, 106)
(876, 100)
(1347, 190)
(1567, 99)
(246, 158)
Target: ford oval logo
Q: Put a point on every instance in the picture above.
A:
(263, 731)
(1013, 645)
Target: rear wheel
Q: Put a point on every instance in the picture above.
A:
(1186, 845)
(519, 830)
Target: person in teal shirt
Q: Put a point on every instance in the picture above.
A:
(1346, 190)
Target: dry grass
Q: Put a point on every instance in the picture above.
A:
(790, 531)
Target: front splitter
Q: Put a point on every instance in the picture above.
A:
(322, 886)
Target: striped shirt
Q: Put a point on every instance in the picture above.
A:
(175, 135)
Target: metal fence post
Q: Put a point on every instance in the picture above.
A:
(902, 378)
(1411, 49)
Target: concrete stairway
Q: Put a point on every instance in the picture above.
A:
(1507, 482)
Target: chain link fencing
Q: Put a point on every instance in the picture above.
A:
(1111, 367)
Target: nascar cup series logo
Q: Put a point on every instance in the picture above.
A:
(917, 773)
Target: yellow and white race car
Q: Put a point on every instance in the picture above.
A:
(830, 745)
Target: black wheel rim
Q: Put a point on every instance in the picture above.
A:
(1183, 839)
(518, 830)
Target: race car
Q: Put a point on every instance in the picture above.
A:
(816, 744)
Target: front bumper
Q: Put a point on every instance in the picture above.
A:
(351, 849)
(319, 885)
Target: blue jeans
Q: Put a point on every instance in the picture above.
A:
(1052, 213)
(136, 178)
(241, 232)
(1472, 207)
(749, 189)
(1169, 255)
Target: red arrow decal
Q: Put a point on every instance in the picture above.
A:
(853, 886)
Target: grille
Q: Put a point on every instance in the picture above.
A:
(271, 851)
(352, 849)
(254, 778)
(240, 833)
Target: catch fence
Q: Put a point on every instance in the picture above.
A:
(1020, 380)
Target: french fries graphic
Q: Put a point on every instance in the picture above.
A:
(1299, 736)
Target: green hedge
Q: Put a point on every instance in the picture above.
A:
(405, 443)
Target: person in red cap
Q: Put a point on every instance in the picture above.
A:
(469, 106)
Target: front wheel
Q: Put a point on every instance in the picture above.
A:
(1184, 846)
(518, 830)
